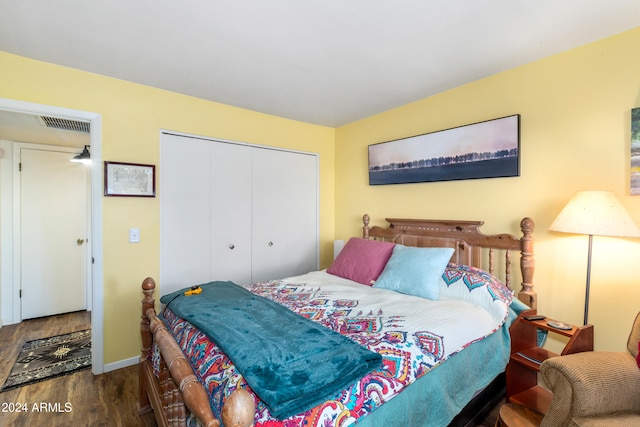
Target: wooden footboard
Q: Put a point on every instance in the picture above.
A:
(177, 389)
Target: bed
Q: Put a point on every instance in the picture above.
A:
(441, 373)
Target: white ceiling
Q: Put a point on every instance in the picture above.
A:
(326, 62)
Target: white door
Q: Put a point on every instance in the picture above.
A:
(205, 205)
(285, 214)
(234, 212)
(53, 233)
(231, 212)
(185, 226)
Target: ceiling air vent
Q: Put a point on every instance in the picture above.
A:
(65, 124)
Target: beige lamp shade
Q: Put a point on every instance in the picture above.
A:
(597, 213)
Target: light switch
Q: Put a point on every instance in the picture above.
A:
(134, 235)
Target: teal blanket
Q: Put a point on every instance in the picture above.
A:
(290, 362)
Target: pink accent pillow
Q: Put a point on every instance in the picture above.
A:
(362, 260)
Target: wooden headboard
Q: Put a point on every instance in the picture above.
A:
(491, 253)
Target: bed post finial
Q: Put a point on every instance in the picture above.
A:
(365, 228)
(148, 286)
(239, 409)
(527, 264)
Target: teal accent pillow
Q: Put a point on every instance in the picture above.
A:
(415, 271)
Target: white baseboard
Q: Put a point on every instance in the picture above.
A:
(6, 321)
(121, 364)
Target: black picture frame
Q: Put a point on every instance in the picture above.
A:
(129, 179)
(488, 149)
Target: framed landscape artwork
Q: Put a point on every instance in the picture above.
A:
(488, 149)
(635, 152)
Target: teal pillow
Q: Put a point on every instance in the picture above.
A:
(415, 271)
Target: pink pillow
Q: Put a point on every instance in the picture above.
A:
(362, 260)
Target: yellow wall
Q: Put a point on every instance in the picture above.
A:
(132, 116)
(575, 135)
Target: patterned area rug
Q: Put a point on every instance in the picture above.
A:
(52, 357)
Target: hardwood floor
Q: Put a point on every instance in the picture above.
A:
(78, 399)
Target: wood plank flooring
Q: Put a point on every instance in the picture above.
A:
(78, 399)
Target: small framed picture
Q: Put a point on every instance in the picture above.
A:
(129, 179)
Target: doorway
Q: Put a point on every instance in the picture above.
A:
(53, 230)
(10, 297)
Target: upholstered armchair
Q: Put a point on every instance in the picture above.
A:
(595, 388)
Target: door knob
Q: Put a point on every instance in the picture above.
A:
(270, 243)
(80, 241)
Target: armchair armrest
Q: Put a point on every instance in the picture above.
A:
(591, 383)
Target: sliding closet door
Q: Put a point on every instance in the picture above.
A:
(235, 212)
(185, 225)
(285, 214)
(230, 212)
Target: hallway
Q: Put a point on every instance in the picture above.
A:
(78, 399)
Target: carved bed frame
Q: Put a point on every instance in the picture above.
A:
(177, 390)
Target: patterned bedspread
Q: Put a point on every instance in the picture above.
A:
(413, 335)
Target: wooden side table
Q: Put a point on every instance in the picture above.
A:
(515, 415)
(526, 358)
